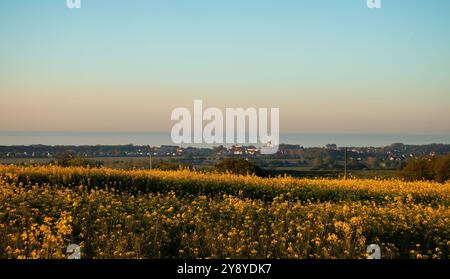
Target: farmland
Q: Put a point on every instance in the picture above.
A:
(184, 214)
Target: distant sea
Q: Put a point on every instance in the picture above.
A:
(156, 139)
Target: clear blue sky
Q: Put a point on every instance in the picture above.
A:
(123, 65)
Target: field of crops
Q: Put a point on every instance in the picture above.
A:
(183, 214)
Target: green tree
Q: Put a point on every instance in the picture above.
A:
(329, 161)
(63, 159)
(419, 169)
(240, 166)
(442, 169)
(68, 159)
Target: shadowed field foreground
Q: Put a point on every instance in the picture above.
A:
(183, 214)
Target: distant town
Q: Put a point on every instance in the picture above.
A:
(289, 158)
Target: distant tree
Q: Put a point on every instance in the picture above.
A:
(372, 162)
(419, 169)
(240, 166)
(68, 159)
(63, 159)
(329, 161)
(442, 169)
(317, 164)
(354, 164)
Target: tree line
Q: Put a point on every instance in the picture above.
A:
(433, 168)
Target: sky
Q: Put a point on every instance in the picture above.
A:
(123, 65)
